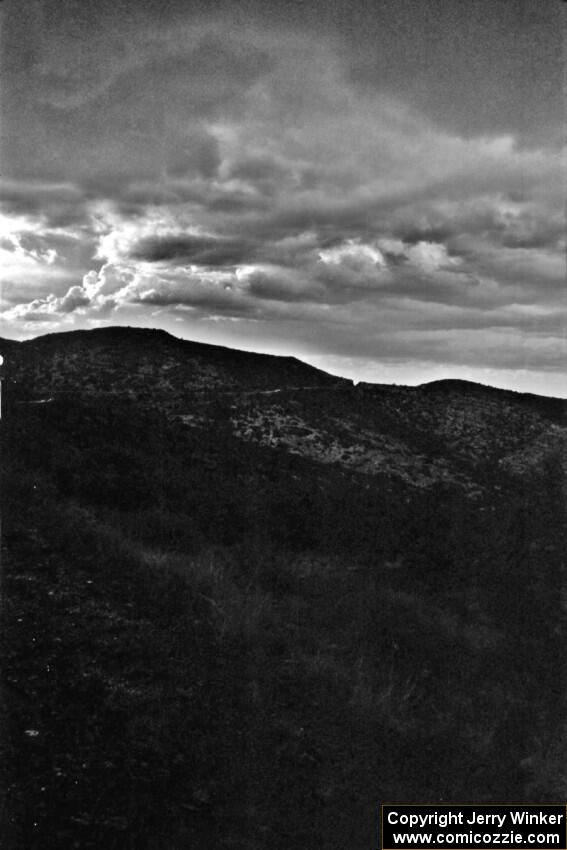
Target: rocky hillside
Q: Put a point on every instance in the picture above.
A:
(451, 432)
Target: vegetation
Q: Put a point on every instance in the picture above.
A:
(214, 643)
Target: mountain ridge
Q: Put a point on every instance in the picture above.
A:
(451, 432)
(127, 333)
(130, 334)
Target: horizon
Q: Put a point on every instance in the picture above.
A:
(356, 382)
(377, 190)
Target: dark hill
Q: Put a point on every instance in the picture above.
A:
(140, 360)
(553, 408)
(7, 345)
(450, 432)
(244, 602)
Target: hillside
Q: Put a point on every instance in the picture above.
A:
(451, 432)
(244, 602)
(140, 363)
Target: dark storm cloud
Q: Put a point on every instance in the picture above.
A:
(199, 250)
(424, 233)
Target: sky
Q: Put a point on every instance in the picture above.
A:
(377, 187)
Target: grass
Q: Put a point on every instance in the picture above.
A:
(192, 688)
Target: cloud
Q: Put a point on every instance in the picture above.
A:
(354, 255)
(198, 156)
(211, 171)
(50, 308)
(188, 248)
(285, 286)
(430, 256)
(206, 296)
(108, 281)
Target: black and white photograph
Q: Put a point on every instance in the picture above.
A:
(283, 423)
